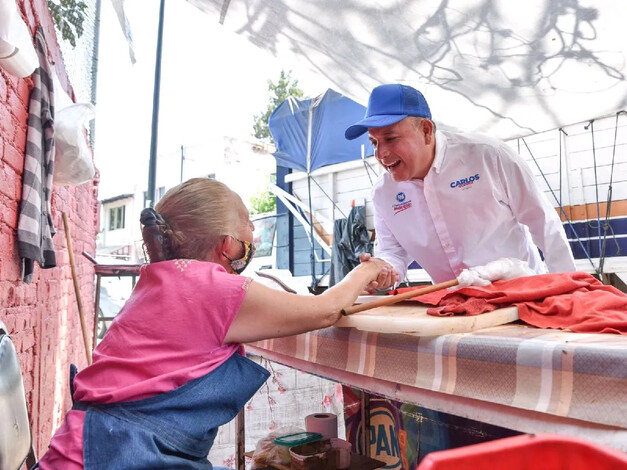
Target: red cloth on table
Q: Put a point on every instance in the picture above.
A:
(574, 301)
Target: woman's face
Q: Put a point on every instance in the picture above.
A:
(243, 232)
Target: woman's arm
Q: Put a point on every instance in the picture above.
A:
(269, 313)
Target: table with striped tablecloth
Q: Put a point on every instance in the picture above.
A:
(515, 376)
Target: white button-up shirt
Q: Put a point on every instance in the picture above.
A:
(479, 202)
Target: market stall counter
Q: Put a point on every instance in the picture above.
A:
(521, 378)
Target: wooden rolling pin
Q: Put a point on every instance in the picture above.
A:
(77, 288)
(392, 299)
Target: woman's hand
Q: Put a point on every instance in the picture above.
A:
(385, 276)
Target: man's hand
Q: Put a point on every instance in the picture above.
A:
(387, 276)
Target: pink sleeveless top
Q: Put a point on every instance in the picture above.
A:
(170, 331)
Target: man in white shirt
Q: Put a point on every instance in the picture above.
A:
(452, 201)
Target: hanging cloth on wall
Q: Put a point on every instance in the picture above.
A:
(35, 227)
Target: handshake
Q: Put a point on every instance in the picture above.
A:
(502, 268)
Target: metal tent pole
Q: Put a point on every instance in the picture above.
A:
(94, 74)
(152, 165)
(311, 218)
(182, 160)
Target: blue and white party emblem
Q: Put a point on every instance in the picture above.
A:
(402, 203)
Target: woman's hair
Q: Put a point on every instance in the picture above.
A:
(189, 220)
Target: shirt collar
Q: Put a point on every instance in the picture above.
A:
(440, 150)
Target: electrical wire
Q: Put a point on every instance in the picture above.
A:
(608, 206)
(596, 185)
(561, 208)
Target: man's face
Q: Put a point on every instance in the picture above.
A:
(405, 149)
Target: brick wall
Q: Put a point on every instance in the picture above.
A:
(42, 316)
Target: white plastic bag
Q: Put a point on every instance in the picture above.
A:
(73, 162)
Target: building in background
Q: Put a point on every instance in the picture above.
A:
(115, 242)
(245, 165)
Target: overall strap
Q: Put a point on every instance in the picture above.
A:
(175, 429)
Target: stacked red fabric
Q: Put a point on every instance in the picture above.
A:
(570, 301)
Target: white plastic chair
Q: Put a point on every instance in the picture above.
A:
(16, 442)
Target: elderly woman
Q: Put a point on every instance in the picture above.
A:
(171, 368)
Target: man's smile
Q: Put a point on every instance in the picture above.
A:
(392, 165)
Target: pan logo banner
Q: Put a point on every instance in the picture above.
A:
(387, 439)
(402, 434)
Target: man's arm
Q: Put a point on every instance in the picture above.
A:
(531, 208)
(387, 248)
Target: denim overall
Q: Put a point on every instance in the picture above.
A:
(173, 430)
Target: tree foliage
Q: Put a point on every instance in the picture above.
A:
(263, 202)
(68, 16)
(286, 86)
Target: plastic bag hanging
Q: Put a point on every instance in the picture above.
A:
(73, 161)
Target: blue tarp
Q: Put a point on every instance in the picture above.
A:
(331, 114)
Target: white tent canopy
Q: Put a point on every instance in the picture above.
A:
(507, 67)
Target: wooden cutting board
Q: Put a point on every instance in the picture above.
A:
(411, 318)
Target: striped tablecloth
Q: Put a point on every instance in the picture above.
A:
(574, 375)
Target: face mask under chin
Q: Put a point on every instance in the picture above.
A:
(240, 264)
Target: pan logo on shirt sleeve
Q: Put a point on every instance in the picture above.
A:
(464, 183)
(402, 205)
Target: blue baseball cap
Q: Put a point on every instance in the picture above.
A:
(389, 104)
